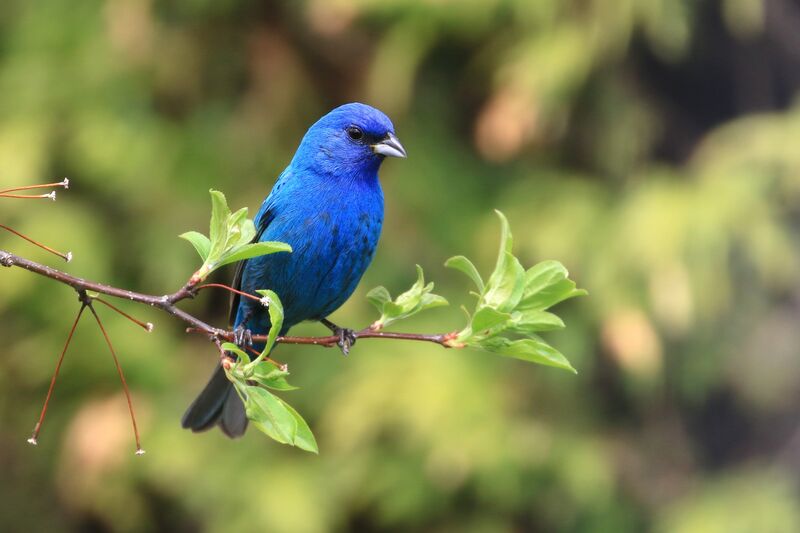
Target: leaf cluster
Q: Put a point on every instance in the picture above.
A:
(230, 238)
(415, 300)
(512, 306)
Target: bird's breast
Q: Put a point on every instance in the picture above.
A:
(333, 239)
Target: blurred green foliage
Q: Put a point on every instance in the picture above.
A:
(650, 145)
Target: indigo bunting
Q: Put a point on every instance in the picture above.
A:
(328, 205)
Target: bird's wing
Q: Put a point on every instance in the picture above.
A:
(262, 220)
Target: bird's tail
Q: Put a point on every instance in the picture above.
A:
(217, 404)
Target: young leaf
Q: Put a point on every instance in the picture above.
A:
(487, 318)
(270, 415)
(241, 355)
(506, 284)
(218, 228)
(415, 300)
(378, 297)
(527, 322)
(248, 251)
(530, 349)
(268, 376)
(199, 241)
(459, 262)
(304, 438)
(275, 308)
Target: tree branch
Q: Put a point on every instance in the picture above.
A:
(167, 303)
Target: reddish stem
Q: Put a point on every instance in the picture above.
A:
(66, 257)
(283, 366)
(148, 327)
(64, 183)
(227, 288)
(35, 436)
(49, 196)
(139, 450)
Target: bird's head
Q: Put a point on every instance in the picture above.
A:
(352, 139)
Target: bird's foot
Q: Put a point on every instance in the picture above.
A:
(242, 337)
(347, 337)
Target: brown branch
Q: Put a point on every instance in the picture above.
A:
(167, 303)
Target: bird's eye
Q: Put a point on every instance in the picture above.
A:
(355, 133)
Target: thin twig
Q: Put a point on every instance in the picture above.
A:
(35, 436)
(88, 303)
(229, 289)
(66, 257)
(63, 183)
(49, 196)
(147, 326)
(283, 366)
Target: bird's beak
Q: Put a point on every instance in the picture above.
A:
(390, 147)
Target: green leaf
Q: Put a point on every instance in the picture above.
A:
(532, 349)
(487, 318)
(551, 295)
(270, 415)
(275, 308)
(415, 300)
(459, 262)
(304, 438)
(429, 301)
(199, 241)
(378, 297)
(527, 322)
(218, 228)
(542, 275)
(248, 251)
(242, 356)
(506, 284)
(547, 284)
(271, 377)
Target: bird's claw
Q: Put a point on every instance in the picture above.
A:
(347, 339)
(242, 337)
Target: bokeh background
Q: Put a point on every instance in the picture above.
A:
(650, 145)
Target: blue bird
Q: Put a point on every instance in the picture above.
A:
(328, 205)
